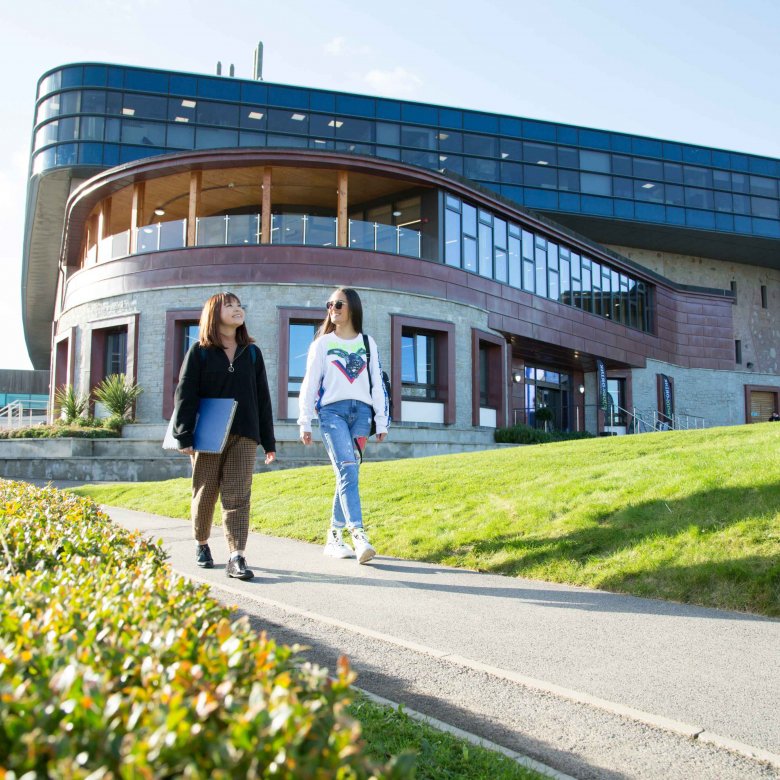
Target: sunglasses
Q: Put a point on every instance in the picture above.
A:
(337, 305)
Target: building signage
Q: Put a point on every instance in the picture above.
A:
(601, 370)
(668, 396)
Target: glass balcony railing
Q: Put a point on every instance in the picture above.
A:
(232, 230)
(375, 237)
(303, 229)
(245, 229)
(161, 236)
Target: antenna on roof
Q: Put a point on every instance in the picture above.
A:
(259, 62)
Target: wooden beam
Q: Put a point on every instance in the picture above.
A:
(196, 178)
(265, 208)
(342, 209)
(136, 214)
(103, 226)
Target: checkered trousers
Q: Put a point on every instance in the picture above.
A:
(228, 473)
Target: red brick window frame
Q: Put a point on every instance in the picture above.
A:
(444, 333)
(289, 315)
(96, 336)
(63, 362)
(175, 323)
(493, 347)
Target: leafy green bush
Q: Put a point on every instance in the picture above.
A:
(118, 393)
(69, 404)
(525, 434)
(112, 666)
(62, 431)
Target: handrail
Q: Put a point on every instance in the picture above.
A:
(245, 229)
(12, 415)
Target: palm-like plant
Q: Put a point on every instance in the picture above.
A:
(71, 405)
(118, 394)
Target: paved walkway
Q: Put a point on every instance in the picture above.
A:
(699, 679)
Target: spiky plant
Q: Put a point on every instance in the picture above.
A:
(118, 393)
(71, 405)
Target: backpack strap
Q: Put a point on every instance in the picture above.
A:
(368, 364)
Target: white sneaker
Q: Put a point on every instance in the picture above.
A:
(365, 552)
(336, 547)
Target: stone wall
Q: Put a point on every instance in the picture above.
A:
(262, 302)
(757, 328)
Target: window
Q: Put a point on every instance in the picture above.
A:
(423, 362)
(181, 332)
(763, 297)
(738, 351)
(418, 365)
(115, 357)
(301, 336)
(488, 391)
(190, 332)
(297, 327)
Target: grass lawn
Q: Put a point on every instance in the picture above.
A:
(691, 516)
(439, 756)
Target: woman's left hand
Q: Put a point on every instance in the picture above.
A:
(381, 436)
(270, 457)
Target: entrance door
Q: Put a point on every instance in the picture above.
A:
(762, 404)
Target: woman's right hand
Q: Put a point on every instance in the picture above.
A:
(187, 451)
(306, 438)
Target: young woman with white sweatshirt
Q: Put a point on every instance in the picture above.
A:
(336, 388)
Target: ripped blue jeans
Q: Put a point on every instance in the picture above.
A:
(340, 424)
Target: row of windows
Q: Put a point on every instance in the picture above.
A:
(234, 90)
(504, 151)
(162, 136)
(109, 155)
(478, 241)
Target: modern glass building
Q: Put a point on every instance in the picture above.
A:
(503, 260)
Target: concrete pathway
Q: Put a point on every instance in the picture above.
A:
(596, 684)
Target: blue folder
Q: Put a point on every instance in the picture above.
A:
(212, 425)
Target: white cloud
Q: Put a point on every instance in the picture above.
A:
(398, 82)
(340, 47)
(336, 46)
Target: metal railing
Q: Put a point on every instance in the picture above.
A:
(617, 420)
(245, 229)
(648, 421)
(22, 414)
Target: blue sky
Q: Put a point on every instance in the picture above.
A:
(693, 71)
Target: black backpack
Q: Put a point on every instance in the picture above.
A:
(385, 382)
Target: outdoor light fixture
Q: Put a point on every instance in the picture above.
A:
(517, 377)
(159, 211)
(582, 389)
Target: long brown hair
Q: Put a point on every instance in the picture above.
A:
(208, 333)
(355, 312)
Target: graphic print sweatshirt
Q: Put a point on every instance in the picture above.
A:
(336, 371)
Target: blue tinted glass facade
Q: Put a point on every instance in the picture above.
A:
(97, 115)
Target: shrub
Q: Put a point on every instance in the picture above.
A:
(69, 404)
(60, 431)
(118, 394)
(525, 434)
(112, 666)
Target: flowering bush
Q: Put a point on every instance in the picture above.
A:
(112, 666)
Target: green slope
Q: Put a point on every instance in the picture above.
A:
(691, 516)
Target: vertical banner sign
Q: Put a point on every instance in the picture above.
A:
(601, 369)
(668, 398)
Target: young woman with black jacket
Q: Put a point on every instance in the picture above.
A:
(224, 363)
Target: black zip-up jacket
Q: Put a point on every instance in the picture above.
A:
(204, 374)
